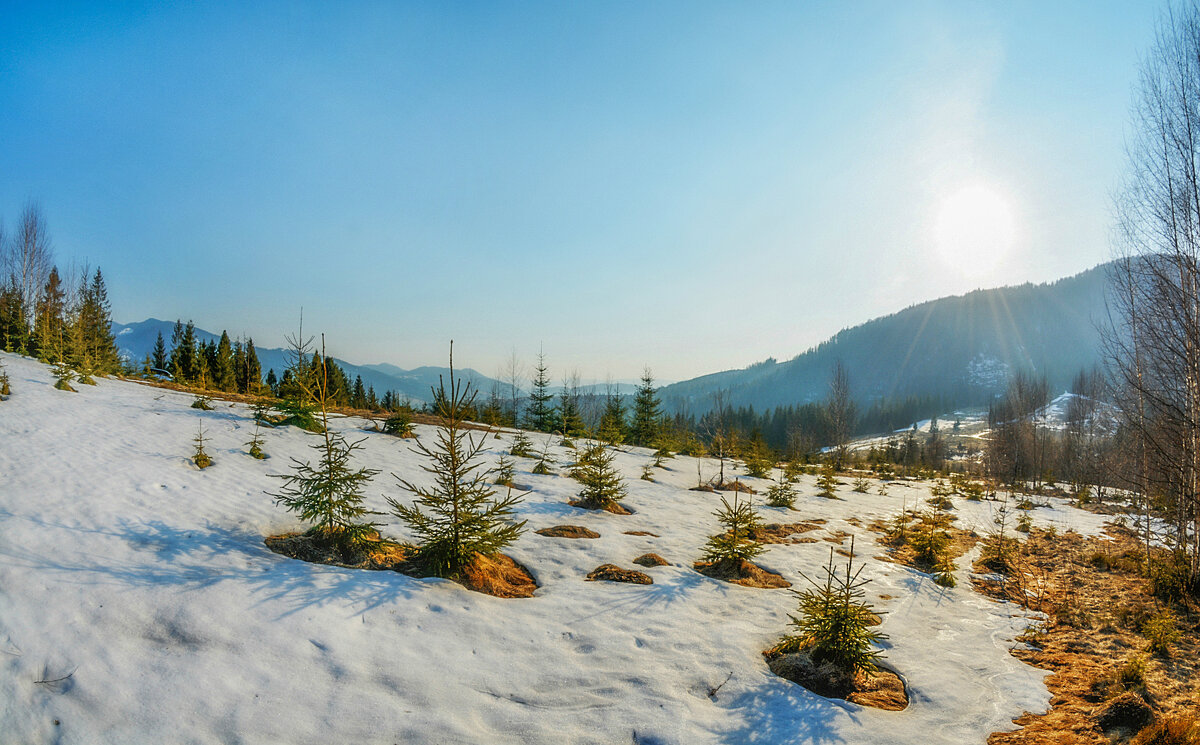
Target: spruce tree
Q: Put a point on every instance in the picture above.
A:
(612, 421)
(737, 542)
(254, 378)
(49, 326)
(224, 376)
(159, 358)
(781, 493)
(200, 456)
(255, 443)
(834, 624)
(644, 429)
(603, 485)
(459, 516)
(97, 350)
(329, 494)
(5, 388)
(570, 418)
(539, 414)
(15, 332)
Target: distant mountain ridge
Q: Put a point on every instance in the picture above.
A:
(963, 348)
(136, 340)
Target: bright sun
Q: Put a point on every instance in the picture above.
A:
(974, 230)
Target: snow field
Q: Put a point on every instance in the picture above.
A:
(147, 580)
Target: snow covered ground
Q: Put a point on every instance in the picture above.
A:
(147, 581)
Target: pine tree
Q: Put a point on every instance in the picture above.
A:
(835, 624)
(522, 447)
(358, 399)
(97, 350)
(737, 542)
(828, 481)
(224, 376)
(50, 320)
(200, 456)
(612, 421)
(272, 382)
(158, 359)
(539, 414)
(570, 418)
(603, 485)
(780, 493)
(329, 494)
(15, 332)
(255, 443)
(459, 516)
(254, 378)
(5, 388)
(644, 430)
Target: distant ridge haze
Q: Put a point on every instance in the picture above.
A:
(961, 347)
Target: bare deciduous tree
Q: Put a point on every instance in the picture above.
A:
(1154, 339)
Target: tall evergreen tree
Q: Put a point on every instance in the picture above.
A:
(358, 399)
(647, 413)
(97, 347)
(570, 418)
(15, 332)
(612, 420)
(50, 318)
(224, 377)
(539, 414)
(159, 357)
(458, 517)
(254, 376)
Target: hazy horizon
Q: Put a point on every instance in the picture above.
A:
(692, 187)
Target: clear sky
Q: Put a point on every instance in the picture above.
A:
(687, 185)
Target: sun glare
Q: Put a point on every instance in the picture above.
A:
(974, 231)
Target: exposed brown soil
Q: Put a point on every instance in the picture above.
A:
(734, 486)
(703, 487)
(783, 532)
(614, 573)
(651, 560)
(899, 552)
(316, 548)
(741, 572)
(614, 507)
(882, 689)
(497, 574)
(1095, 601)
(641, 532)
(567, 531)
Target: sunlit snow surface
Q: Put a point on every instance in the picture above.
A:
(147, 581)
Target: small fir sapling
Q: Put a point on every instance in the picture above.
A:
(827, 481)
(399, 424)
(504, 472)
(930, 540)
(834, 623)
(998, 551)
(660, 457)
(329, 495)
(603, 485)
(200, 457)
(5, 389)
(862, 484)
(522, 447)
(255, 443)
(459, 516)
(647, 473)
(63, 376)
(543, 466)
(792, 470)
(204, 403)
(781, 493)
(737, 542)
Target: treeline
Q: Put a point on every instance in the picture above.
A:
(63, 322)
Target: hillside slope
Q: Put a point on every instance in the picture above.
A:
(962, 348)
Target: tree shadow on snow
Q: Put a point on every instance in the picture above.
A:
(194, 559)
(785, 712)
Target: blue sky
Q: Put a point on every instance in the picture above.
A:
(691, 186)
